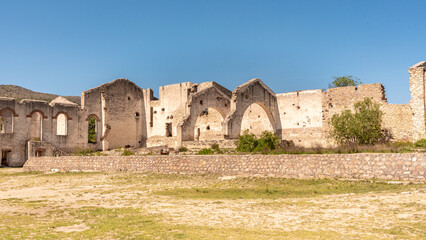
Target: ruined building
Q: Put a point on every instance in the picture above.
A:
(120, 114)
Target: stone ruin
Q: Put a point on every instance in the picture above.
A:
(193, 116)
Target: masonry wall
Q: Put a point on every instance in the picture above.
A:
(397, 119)
(301, 115)
(403, 166)
(23, 121)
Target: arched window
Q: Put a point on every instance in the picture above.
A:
(91, 131)
(61, 125)
(6, 121)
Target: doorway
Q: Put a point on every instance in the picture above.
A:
(5, 157)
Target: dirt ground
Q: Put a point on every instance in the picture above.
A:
(111, 206)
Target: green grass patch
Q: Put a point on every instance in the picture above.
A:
(272, 188)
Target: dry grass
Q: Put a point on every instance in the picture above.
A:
(156, 206)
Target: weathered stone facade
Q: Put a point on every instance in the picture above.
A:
(402, 166)
(122, 114)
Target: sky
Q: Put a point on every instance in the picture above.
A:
(66, 47)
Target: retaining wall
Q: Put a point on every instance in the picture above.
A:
(402, 166)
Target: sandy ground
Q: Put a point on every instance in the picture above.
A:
(372, 215)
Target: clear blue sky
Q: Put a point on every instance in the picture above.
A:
(66, 47)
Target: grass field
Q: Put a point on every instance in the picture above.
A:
(156, 206)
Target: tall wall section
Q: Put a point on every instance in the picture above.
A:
(417, 101)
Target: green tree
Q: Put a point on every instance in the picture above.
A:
(344, 81)
(363, 126)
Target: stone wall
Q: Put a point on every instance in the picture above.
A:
(127, 115)
(403, 166)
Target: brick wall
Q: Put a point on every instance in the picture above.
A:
(403, 166)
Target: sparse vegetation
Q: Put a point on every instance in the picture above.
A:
(173, 206)
(127, 152)
(205, 151)
(183, 149)
(420, 143)
(20, 93)
(84, 152)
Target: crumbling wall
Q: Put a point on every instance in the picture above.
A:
(417, 101)
(210, 97)
(301, 117)
(163, 115)
(127, 115)
(398, 121)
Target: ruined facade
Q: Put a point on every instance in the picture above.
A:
(120, 114)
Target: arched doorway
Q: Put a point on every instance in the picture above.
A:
(257, 119)
(209, 125)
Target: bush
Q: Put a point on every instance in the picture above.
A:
(127, 153)
(183, 149)
(420, 143)
(248, 142)
(363, 126)
(268, 141)
(205, 151)
(215, 147)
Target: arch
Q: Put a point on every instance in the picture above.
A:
(62, 112)
(257, 118)
(61, 124)
(94, 116)
(8, 109)
(252, 92)
(212, 97)
(36, 129)
(209, 125)
(36, 111)
(6, 120)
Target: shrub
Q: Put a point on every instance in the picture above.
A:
(127, 153)
(215, 147)
(363, 126)
(268, 141)
(205, 151)
(420, 143)
(248, 142)
(183, 149)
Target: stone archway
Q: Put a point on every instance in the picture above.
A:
(209, 125)
(244, 96)
(257, 119)
(211, 97)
